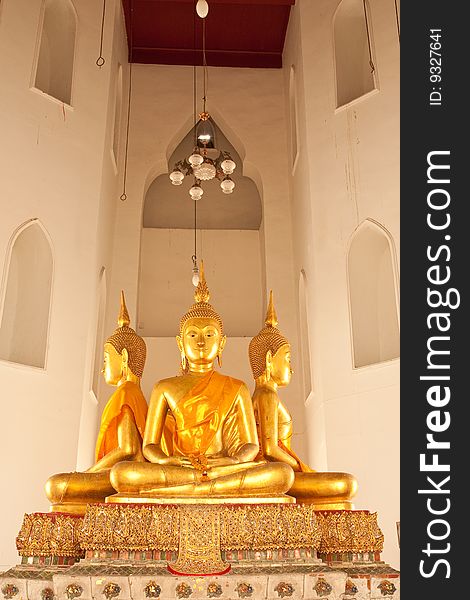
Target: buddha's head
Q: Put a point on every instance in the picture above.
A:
(269, 352)
(124, 352)
(201, 339)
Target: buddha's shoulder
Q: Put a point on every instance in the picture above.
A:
(233, 380)
(168, 382)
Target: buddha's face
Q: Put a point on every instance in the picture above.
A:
(281, 369)
(112, 367)
(201, 341)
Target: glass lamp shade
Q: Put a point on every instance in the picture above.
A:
(227, 185)
(205, 134)
(205, 171)
(196, 192)
(228, 166)
(176, 177)
(195, 159)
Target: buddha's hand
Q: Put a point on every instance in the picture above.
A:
(175, 461)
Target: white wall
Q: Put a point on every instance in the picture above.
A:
(54, 165)
(232, 268)
(347, 171)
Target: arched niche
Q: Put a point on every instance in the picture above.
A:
(373, 295)
(54, 69)
(304, 335)
(27, 297)
(228, 239)
(354, 76)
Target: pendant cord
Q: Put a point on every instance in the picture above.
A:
(204, 63)
(371, 62)
(194, 75)
(123, 196)
(100, 60)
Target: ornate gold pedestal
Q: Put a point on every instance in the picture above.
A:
(274, 550)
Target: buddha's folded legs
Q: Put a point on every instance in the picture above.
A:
(230, 480)
(71, 492)
(324, 488)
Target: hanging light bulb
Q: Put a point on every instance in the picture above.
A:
(202, 8)
(195, 277)
(227, 185)
(196, 191)
(195, 159)
(228, 166)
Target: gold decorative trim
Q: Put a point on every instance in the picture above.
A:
(120, 527)
(50, 534)
(349, 531)
(199, 544)
(160, 527)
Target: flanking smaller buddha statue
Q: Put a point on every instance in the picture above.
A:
(200, 437)
(122, 423)
(270, 354)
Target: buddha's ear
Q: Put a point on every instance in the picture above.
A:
(179, 341)
(223, 340)
(269, 358)
(125, 356)
(269, 362)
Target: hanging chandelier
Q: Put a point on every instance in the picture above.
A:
(206, 162)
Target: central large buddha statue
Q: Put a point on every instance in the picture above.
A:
(200, 437)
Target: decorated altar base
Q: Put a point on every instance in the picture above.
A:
(265, 551)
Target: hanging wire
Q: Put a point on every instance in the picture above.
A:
(204, 64)
(398, 20)
(194, 75)
(195, 234)
(100, 60)
(194, 257)
(123, 196)
(371, 62)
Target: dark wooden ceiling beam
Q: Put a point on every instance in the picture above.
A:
(272, 2)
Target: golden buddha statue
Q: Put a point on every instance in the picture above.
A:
(269, 353)
(122, 423)
(200, 437)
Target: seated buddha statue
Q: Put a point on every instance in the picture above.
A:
(122, 423)
(200, 437)
(269, 353)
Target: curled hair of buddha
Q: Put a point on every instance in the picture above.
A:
(125, 337)
(201, 307)
(268, 339)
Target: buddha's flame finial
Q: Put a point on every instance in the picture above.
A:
(271, 317)
(124, 319)
(202, 294)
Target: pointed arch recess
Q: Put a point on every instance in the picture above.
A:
(352, 36)
(27, 289)
(55, 62)
(373, 296)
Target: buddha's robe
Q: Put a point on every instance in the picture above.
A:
(208, 420)
(128, 394)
